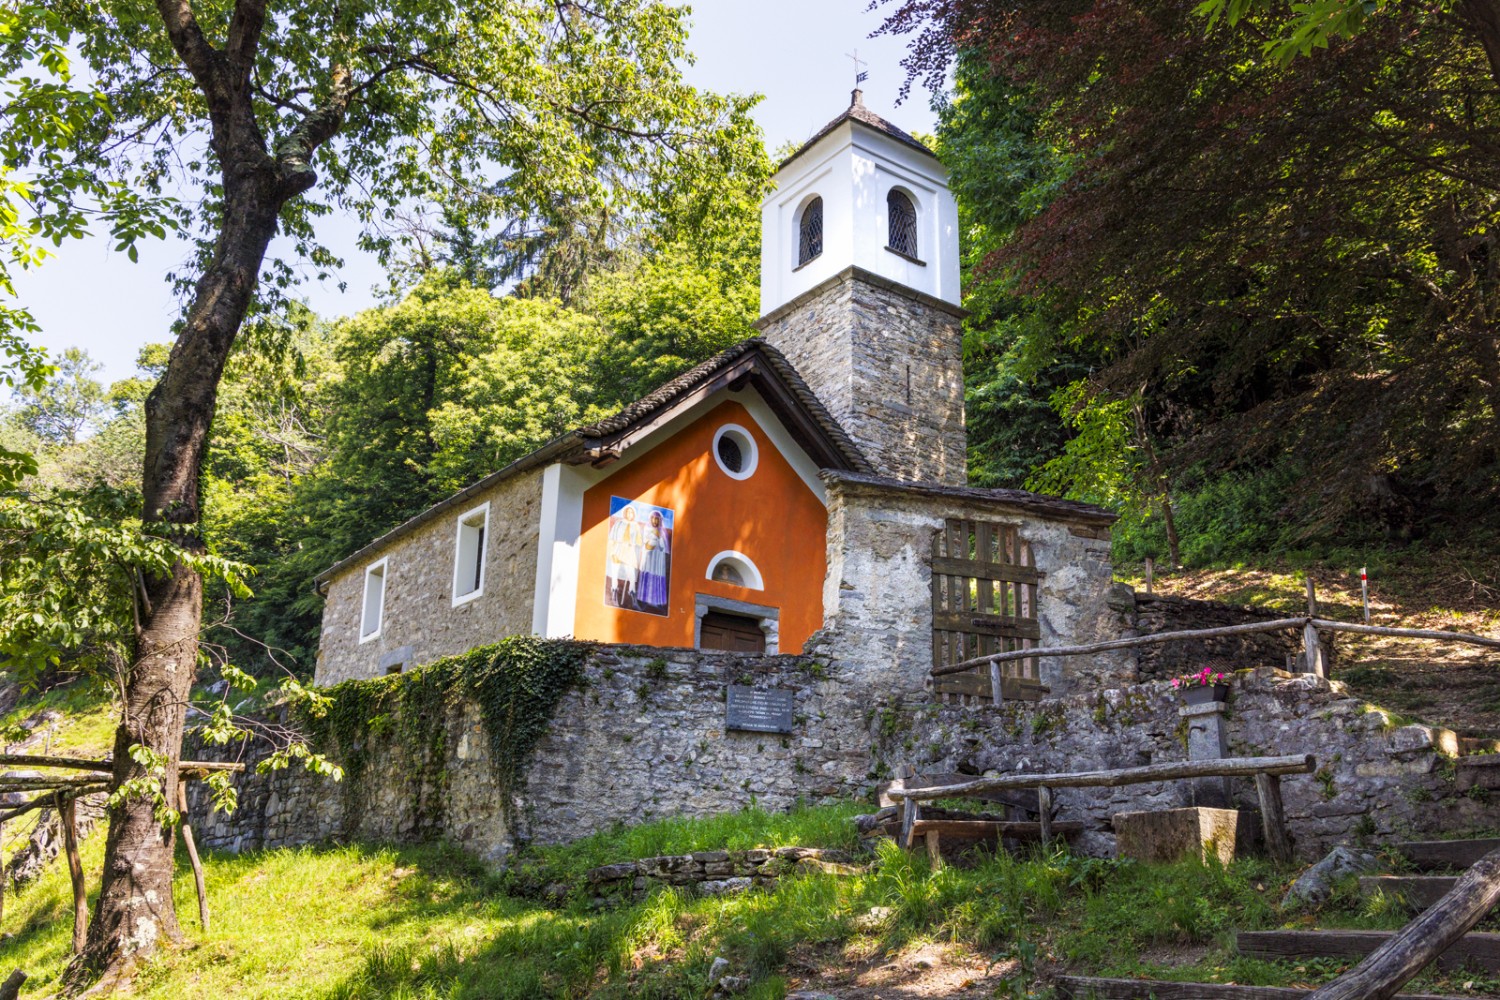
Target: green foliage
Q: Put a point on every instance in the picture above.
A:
(515, 683)
(68, 404)
(74, 562)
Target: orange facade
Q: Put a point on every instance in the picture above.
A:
(772, 517)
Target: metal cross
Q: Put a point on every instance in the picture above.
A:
(860, 76)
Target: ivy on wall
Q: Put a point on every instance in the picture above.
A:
(516, 684)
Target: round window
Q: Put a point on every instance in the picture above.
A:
(735, 451)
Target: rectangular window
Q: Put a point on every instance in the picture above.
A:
(374, 604)
(468, 555)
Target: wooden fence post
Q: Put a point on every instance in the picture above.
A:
(68, 815)
(192, 852)
(1044, 813)
(1273, 817)
(996, 688)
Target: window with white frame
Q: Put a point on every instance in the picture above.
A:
(468, 554)
(372, 614)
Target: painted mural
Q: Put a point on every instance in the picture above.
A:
(638, 557)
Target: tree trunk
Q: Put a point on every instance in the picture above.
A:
(135, 911)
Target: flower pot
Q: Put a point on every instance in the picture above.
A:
(1202, 694)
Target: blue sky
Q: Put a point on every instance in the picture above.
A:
(792, 51)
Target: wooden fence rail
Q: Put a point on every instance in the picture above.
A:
(1266, 771)
(1304, 622)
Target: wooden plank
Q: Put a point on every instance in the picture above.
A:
(1420, 891)
(1000, 625)
(1479, 949)
(1226, 767)
(1089, 988)
(1440, 934)
(986, 570)
(976, 828)
(1273, 817)
(933, 840)
(939, 645)
(910, 813)
(1447, 853)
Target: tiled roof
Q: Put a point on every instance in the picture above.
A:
(575, 441)
(1037, 503)
(857, 112)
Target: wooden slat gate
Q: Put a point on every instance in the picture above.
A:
(984, 600)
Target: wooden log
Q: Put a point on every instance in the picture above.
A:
(1430, 935)
(1132, 643)
(976, 829)
(1407, 633)
(68, 815)
(909, 811)
(1089, 988)
(1243, 767)
(1312, 651)
(11, 988)
(997, 688)
(1210, 633)
(1044, 814)
(1447, 853)
(1273, 817)
(43, 801)
(192, 853)
(26, 783)
(104, 766)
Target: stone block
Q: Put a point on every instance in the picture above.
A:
(1174, 834)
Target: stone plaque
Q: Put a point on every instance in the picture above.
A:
(757, 710)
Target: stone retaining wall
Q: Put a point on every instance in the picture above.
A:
(645, 738)
(1154, 614)
(1376, 781)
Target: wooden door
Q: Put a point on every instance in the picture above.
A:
(732, 633)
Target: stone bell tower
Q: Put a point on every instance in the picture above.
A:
(859, 289)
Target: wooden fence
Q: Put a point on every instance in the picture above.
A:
(1266, 771)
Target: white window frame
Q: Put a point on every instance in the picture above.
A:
(747, 568)
(381, 566)
(751, 451)
(458, 551)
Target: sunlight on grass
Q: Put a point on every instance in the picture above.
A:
(421, 923)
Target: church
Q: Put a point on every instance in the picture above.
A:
(803, 491)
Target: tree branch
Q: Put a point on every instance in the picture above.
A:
(202, 60)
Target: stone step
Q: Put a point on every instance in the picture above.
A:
(1419, 891)
(1478, 772)
(1430, 854)
(1089, 988)
(1479, 950)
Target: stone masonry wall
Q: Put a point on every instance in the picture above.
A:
(645, 738)
(420, 623)
(877, 600)
(888, 364)
(1154, 614)
(1375, 780)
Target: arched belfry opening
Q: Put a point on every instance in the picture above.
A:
(810, 232)
(901, 223)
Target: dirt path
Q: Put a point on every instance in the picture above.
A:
(925, 971)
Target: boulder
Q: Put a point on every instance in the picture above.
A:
(1315, 885)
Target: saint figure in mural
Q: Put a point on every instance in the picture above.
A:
(638, 556)
(622, 570)
(652, 593)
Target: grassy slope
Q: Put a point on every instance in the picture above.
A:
(367, 922)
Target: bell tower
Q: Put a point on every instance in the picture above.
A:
(859, 289)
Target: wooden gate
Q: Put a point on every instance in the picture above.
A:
(984, 583)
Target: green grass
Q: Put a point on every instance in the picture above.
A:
(88, 722)
(360, 922)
